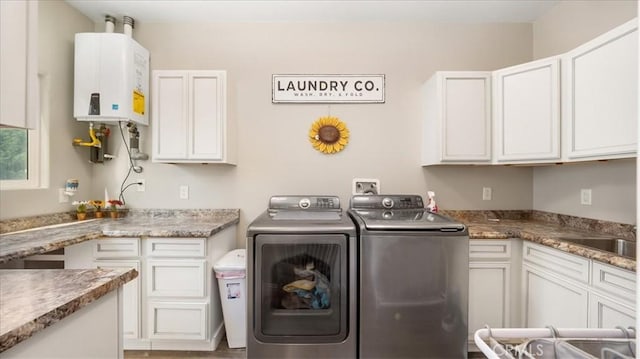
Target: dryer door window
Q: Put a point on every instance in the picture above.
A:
(301, 287)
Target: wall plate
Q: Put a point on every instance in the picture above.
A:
(365, 186)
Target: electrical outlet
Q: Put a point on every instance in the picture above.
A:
(62, 197)
(585, 196)
(141, 185)
(366, 186)
(486, 193)
(184, 192)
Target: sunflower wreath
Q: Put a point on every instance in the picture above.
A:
(329, 135)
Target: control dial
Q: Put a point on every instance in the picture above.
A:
(304, 203)
(387, 202)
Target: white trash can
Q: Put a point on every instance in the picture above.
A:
(231, 272)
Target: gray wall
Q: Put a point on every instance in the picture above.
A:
(58, 23)
(557, 189)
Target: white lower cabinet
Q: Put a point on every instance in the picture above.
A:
(174, 304)
(552, 301)
(177, 320)
(570, 291)
(612, 301)
(607, 313)
(176, 278)
(116, 253)
(492, 291)
(130, 298)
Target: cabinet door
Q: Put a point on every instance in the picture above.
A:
(527, 111)
(549, 300)
(182, 321)
(170, 113)
(601, 99)
(457, 127)
(19, 63)
(607, 313)
(130, 297)
(207, 114)
(489, 299)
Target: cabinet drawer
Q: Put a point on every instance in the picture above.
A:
(556, 261)
(176, 247)
(490, 249)
(168, 320)
(116, 248)
(615, 281)
(176, 278)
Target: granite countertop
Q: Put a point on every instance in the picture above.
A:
(546, 232)
(31, 300)
(140, 223)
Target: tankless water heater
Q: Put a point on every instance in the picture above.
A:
(111, 79)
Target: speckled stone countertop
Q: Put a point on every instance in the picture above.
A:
(138, 223)
(31, 300)
(547, 230)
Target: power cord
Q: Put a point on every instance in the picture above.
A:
(131, 168)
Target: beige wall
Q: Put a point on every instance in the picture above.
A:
(58, 23)
(573, 22)
(556, 189)
(274, 155)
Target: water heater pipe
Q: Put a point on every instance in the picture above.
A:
(128, 26)
(109, 23)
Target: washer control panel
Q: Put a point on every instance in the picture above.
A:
(386, 202)
(314, 203)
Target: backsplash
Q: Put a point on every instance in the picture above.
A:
(22, 223)
(619, 230)
(19, 224)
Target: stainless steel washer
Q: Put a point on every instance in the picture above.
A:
(301, 280)
(414, 279)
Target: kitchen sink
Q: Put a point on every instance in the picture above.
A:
(622, 247)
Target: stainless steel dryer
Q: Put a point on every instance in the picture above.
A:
(414, 279)
(301, 280)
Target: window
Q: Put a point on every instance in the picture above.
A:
(24, 153)
(14, 154)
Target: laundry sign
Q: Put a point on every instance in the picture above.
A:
(328, 89)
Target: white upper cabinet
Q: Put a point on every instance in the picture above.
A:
(526, 110)
(600, 99)
(19, 64)
(189, 117)
(457, 122)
